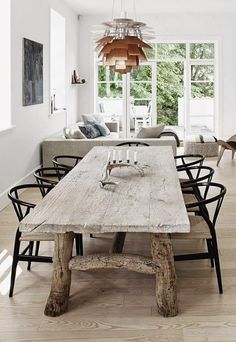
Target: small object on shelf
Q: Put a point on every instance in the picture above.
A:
(54, 102)
(52, 105)
(76, 79)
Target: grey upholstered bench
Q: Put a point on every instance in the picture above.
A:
(193, 145)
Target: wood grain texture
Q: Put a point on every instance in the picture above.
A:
(166, 293)
(57, 302)
(153, 203)
(136, 263)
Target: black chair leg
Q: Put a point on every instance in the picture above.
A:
(210, 251)
(79, 244)
(30, 254)
(217, 265)
(91, 235)
(37, 248)
(14, 263)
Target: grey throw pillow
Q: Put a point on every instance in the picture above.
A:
(103, 129)
(90, 131)
(150, 132)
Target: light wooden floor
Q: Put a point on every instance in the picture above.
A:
(114, 306)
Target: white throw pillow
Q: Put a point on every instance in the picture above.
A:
(150, 132)
(92, 118)
(66, 132)
(73, 132)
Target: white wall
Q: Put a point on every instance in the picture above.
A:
(5, 63)
(221, 27)
(20, 148)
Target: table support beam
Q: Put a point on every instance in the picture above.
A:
(166, 293)
(57, 302)
(136, 263)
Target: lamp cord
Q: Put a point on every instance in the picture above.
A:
(121, 6)
(135, 11)
(113, 8)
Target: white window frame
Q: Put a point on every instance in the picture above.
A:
(62, 108)
(188, 97)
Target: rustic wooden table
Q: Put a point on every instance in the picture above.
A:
(153, 204)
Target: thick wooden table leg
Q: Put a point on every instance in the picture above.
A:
(57, 302)
(166, 294)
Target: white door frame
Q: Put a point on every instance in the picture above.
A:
(127, 104)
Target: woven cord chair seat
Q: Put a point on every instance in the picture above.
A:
(198, 229)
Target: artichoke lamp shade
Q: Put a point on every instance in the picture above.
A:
(122, 46)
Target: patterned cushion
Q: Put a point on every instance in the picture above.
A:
(103, 129)
(90, 131)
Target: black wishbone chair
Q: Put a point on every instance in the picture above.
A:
(185, 161)
(22, 208)
(66, 162)
(133, 143)
(121, 235)
(203, 225)
(51, 176)
(198, 174)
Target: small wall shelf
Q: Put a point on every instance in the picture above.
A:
(80, 82)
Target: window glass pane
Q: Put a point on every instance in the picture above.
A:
(142, 102)
(144, 73)
(106, 75)
(115, 76)
(58, 59)
(116, 90)
(202, 51)
(102, 90)
(170, 92)
(201, 124)
(202, 73)
(109, 90)
(202, 90)
(151, 54)
(101, 73)
(165, 51)
(141, 90)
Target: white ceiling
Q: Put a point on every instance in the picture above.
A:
(91, 7)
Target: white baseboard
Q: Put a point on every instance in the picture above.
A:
(29, 178)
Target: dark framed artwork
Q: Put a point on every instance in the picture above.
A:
(32, 72)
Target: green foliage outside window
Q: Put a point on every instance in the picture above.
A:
(170, 79)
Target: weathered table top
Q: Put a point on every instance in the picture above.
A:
(153, 203)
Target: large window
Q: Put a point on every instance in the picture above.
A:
(5, 64)
(58, 62)
(177, 87)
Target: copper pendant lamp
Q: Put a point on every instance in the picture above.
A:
(122, 46)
